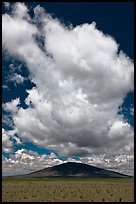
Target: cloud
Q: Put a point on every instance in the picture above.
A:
(14, 75)
(14, 67)
(7, 5)
(132, 111)
(20, 10)
(6, 143)
(25, 161)
(12, 106)
(8, 140)
(7, 120)
(5, 87)
(17, 79)
(122, 163)
(81, 80)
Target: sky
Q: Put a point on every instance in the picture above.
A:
(67, 85)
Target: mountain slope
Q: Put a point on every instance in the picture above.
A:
(71, 169)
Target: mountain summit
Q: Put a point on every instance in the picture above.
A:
(72, 169)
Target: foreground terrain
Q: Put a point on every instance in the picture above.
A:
(66, 190)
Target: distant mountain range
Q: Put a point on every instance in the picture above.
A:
(72, 169)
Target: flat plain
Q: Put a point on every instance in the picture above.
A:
(67, 190)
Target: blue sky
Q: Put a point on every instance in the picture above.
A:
(116, 22)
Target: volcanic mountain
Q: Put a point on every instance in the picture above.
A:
(72, 169)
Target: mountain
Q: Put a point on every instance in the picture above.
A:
(71, 169)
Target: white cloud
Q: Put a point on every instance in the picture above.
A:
(7, 5)
(7, 120)
(115, 162)
(81, 80)
(5, 87)
(17, 79)
(25, 161)
(13, 68)
(119, 129)
(6, 143)
(16, 139)
(8, 140)
(132, 111)
(12, 106)
(20, 10)
(14, 75)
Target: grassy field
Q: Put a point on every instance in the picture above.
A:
(67, 190)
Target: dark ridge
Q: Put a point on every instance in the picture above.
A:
(78, 170)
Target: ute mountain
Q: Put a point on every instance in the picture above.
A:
(72, 169)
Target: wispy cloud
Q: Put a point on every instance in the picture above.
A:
(7, 5)
(8, 140)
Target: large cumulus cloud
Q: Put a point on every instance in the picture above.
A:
(81, 80)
